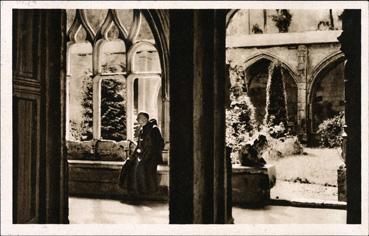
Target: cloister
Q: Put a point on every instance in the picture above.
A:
(178, 74)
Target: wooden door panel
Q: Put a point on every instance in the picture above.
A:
(39, 194)
(26, 158)
(26, 119)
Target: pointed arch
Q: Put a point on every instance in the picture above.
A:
(323, 66)
(230, 15)
(80, 21)
(316, 78)
(256, 77)
(268, 56)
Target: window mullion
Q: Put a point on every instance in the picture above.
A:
(96, 101)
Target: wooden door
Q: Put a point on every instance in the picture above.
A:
(39, 190)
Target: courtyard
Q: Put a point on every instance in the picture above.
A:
(310, 176)
(257, 116)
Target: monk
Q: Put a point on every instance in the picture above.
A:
(148, 154)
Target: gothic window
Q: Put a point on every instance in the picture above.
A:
(113, 71)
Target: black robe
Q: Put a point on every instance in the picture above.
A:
(146, 157)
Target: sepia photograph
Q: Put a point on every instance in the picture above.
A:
(184, 117)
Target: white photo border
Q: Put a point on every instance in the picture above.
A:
(118, 229)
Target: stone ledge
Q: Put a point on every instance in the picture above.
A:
(106, 164)
(265, 170)
(250, 185)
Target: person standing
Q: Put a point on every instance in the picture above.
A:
(148, 153)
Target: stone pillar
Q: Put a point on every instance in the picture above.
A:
(198, 183)
(302, 118)
(165, 118)
(351, 46)
(96, 101)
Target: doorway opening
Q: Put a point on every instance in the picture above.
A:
(286, 72)
(114, 72)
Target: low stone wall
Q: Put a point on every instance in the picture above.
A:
(250, 185)
(102, 150)
(100, 179)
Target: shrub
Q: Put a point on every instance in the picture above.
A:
(276, 131)
(240, 121)
(237, 76)
(282, 20)
(276, 108)
(330, 131)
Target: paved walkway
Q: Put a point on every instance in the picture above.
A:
(101, 211)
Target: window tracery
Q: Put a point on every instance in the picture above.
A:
(107, 51)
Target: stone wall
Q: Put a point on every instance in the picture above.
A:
(250, 185)
(313, 63)
(105, 150)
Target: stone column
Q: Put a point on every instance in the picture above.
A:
(165, 120)
(351, 46)
(302, 109)
(198, 182)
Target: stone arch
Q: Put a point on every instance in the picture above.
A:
(251, 60)
(320, 73)
(230, 15)
(256, 77)
(324, 65)
(158, 21)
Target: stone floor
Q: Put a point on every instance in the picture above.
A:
(102, 211)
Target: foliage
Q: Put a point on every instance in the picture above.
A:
(240, 121)
(237, 76)
(256, 29)
(79, 131)
(276, 130)
(276, 105)
(282, 20)
(242, 129)
(86, 93)
(113, 109)
(330, 131)
(323, 25)
(113, 106)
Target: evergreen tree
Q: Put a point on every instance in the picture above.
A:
(113, 109)
(86, 103)
(276, 105)
(113, 106)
